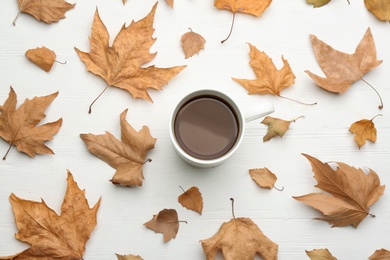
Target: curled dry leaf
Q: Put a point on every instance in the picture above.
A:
(19, 126)
(51, 236)
(343, 69)
(276, 127)
(120, 64)
(42, 57)
(380, 8)
(128, 257)
(351, 193)
(192, 43)
(263, 177)
(192, 199)
(127, 156)
(381, 254)
(317, 3)
(364, 130)
(47, 11)
(320, 254)
(166, 222)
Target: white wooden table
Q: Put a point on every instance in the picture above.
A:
(283, 29)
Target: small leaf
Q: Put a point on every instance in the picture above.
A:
(42, 57)
(364, 130)
(192, 200)
(320, 254)
(317, 3)
(380, 8)
(170, 3)
(166, 222)
(381, 254)
(128, 257)
(263, 177)
(276, 127)
(192, 43)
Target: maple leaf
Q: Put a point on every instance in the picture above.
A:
(166, 222)
(252, 7)
(47, 11)
(352, 192)
(120, 64)
(317, 3)
(192, 43)
(127, 156)
(240, 238)
(42, 57)
(320, 254)
(19, 126)
(128, 257)
(343, 69)
(364, 130)
(380, 8)
(264, 177)
(192, 199)
(53, 236)
(381, 254)
(276, 126)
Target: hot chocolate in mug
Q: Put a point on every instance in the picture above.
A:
(207, 126)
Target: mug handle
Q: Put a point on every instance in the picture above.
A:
(259, 110)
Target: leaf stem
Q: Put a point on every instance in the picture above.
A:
(147, 160)
(232, 200)
(300, 102)
(380, 98)
(14, 22)
(295, 119)
(9, 149)
(60, 62)
(348, 2)
(376, 116)
(182, 189)
(101, 93)
(231, 29)
(281, 189)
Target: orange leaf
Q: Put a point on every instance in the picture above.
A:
(126, 156)
(42, 57)
(170, 3)
(192, 200)
(351, 190)
(263, 177)
(51, 236)
(381, 254)
(320, 254)
(128, 257)
(192, 43)
(364, 130)
(19, 126)
(166, 222)
(380, 8)
(252, 7)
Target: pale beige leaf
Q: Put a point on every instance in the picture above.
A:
(381, 254)
(42, 57)
(128, 257)
(192, 199)
(166, 222)
(320, 254)
(380, 8)
(192, 43)
(263, 177)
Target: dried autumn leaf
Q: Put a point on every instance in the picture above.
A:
(320, 254)
(170, 3)
(276, 126)
(19, 126)
(192, 43)
(364, 130)
(128, 257)
(127, 156)
(380, 8)
(317, 3)
(192, 199)
(166, 222)
(42, 57)
(51, 236)
(381, 254)
(120, 64)
(240, 238)
(263, 177)
(47, 11)
(343, 69)
(351, 193)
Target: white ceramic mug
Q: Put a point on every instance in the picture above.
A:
(215, 108)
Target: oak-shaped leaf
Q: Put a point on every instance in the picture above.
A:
(263, 177)
(342, 69)
(320, 254)
(381, 254)
(364, 130)
(166, 222)
(276, 127)
(19, 126)
(42, 57)
(127, 155)
(350, 190)
(192, 199)
(380, 8)
(120, 65)
(128, 257)
(192, 43)
(47, 11)
(53, 236)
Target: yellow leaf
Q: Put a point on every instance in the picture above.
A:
(364, 130)
(380, 8)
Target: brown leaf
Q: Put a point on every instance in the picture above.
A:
(364, 130)
(380, 8)
(51, 236)
(252, 7)
(192, 200)
(170, 3)
(268, 80)
(192, 43)
(381, 254)
(342, 69)
(47, 11)
(317, 3)
(320, 254)
(263, 177)
(128, 257)
(42, 57)
(120, 64)
(127, 156)
(351, 190)
(240, 238)
(19, 126)
(166, 222)
(276, 127)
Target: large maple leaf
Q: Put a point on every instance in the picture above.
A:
(127, 156)
(53, 236)
(120, 64)
(351, 193)
(19, 126)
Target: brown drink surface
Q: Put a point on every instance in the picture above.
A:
(206, 127)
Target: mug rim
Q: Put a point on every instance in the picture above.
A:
(202, 162)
